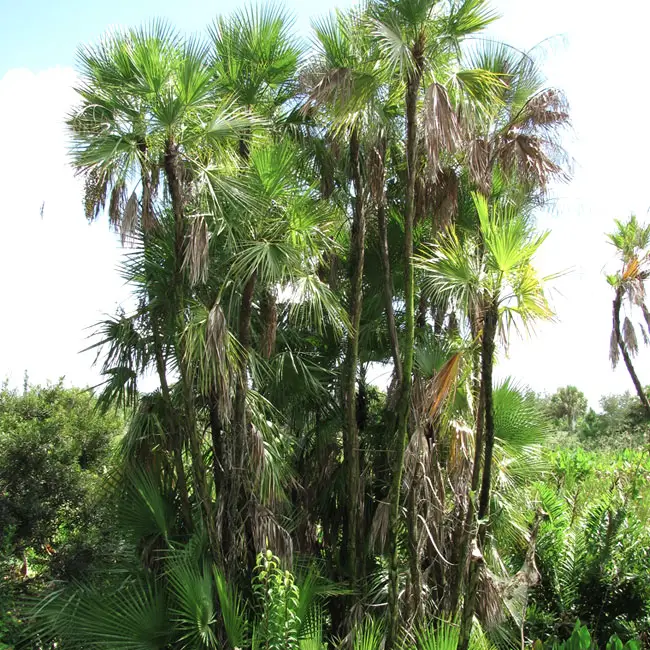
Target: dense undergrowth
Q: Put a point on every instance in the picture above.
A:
(64, 519)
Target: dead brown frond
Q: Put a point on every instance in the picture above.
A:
(256, 452)
(526, 155)
(376, 170)
(614, 351)
(629, 337)
(129, 223)
(329, 86)
(96, 183)
(416, 457)
(478, 163)
(442, 129)
(442, 385)
(646, 340)
(269, 534)
(197, 250)
(217, 341)
(547, 109)
(117, 205)
(489, 601)
(445, 198)
(646, 315)
(379, 528)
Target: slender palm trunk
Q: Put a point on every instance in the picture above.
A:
(468, 524)
(404, 403)
(170, 420)
(382, 227)
(350, 430)
(625, 354)
(174, 176)
(237, 496)
(487, 365)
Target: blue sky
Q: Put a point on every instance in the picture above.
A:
(58, 273)
(38, 34)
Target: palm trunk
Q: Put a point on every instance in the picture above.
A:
(468, 525)
(350, 430)
(404, 403)
(487, 364)
(173, 173)
(382, 227)
(237, 499)
(173, 429)
(177, 451)
(415, 601)
(174, 176)
(624, 353)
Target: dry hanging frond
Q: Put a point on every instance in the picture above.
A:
(548, 109)
(376, 166)
(614, 351)
(646, 340)
(95, 189)
(525, 155)
(129, 222)
(442, 384)
(489, 602)
(197, 250)
(379, 528)
(269, 534)
(646, 315)
(629, 337)
(478, 163)
(415, 456)
(329, 86)
(441, 126)
(117, 205)
(445, 198)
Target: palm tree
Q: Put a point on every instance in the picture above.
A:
(490, 272)
(419, 51)
(342, 80)
(518, 133)
(569, 403)
(631, 240)
(146, 99)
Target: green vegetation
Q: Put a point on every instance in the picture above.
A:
(293, 218)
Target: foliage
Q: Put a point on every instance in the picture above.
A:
(568, 404)
(592, 551)
(55, 454)
(293, 216)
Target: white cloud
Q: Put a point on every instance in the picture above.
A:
(57, 273)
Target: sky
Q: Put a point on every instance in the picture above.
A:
(58, 273)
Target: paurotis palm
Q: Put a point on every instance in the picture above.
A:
(242, 181)
(420, 50)
(631, 240)
(491, 272)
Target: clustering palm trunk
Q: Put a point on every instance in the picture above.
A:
(487, 363)
(404, 402)
(351, 434)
